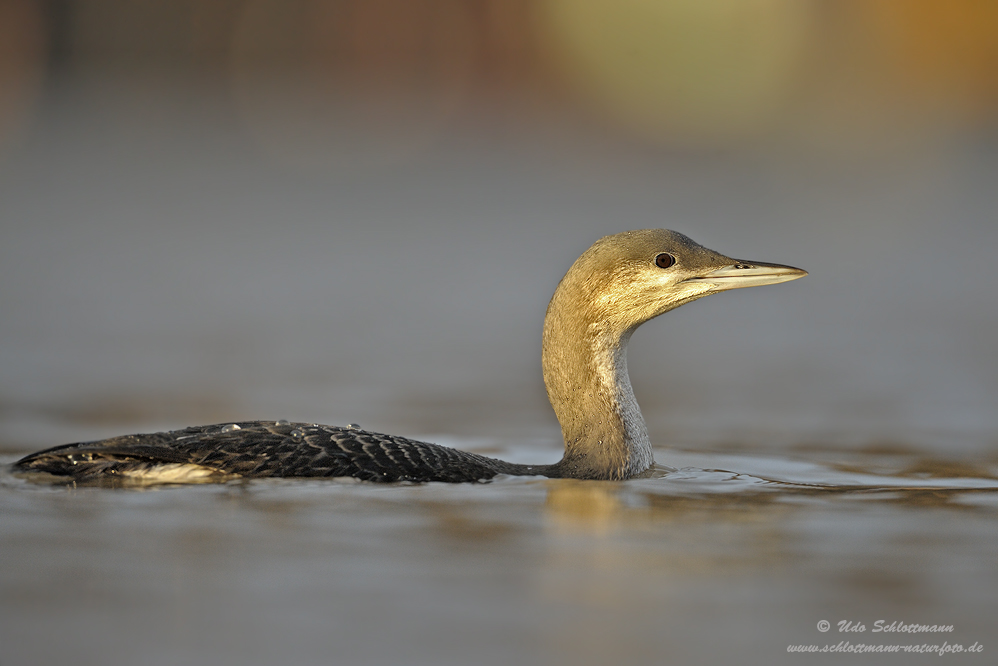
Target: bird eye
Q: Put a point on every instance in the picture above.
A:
(665, 260)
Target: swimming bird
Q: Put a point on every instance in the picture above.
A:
(619, 283)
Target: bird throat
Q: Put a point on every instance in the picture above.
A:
(585, 372)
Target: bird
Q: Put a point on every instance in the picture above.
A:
(619, 283)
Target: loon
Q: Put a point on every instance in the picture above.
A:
(619, 283)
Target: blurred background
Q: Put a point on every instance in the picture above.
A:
(357, 210)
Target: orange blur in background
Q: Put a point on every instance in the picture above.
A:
(323, 82)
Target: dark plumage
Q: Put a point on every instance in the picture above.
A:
(266, 448)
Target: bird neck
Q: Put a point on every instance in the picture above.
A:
(585, 372)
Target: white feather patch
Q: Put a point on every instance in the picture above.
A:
(172, 473)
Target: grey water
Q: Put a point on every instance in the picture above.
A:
(835, 439)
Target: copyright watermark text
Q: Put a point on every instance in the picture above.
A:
(887, 627)
(863, 648)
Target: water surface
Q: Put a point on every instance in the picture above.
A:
(708, 563)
